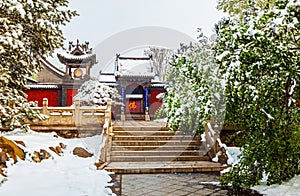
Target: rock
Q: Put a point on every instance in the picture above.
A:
(36, 157)
(223, 157)
(63, 146)
(58, 149)
(20, 142)
(100, 165)
(8, 150)
(44, 154)
(54, 150)
(11, 148)
(39, 156)
(81, 152)
(1, 171)
(3, 158)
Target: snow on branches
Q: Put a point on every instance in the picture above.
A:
(93, 92)
(194, 90)
(260, 57)
(28, 30)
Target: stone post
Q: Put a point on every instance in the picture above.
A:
(147, 116)
(124, 104)
(45, 106)
(77, 115)
(108, 116)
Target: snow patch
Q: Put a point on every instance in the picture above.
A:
(58, 175)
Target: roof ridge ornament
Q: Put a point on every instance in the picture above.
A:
(79, 49)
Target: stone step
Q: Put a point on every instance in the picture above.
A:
(154, 143)
(142, 133)
(154, 138)
(164, 167)
(157, 158)
(158, 153)
(135, 116)
(164, 147)
(140, 128)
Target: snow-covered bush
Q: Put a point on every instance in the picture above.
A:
(194, 90)
(259, 57)
(93, 92)
(29, 30)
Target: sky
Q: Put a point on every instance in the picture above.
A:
(104, 23)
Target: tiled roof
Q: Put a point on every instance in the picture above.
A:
(52, 68)
(39, 86)
(134, 67)
(70, 58)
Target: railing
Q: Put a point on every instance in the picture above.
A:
(72, 118)
(78, 118)
(215, 149)
(211, 136)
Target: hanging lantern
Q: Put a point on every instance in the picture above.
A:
(78, 73)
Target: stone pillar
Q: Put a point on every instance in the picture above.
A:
(45, 107)
(77, 114)
(147, 116)
(124, 104)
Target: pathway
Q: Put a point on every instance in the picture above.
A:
(176, 184)
(145, 162)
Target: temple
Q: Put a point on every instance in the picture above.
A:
(132, 76)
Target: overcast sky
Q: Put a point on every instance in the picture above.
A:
(101, 20)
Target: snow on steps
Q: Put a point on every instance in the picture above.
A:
(152, 148)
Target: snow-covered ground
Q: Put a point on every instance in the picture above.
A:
(72, 175)
(290, 188)
(59, 175)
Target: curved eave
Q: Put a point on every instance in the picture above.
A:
(42, 86)
(158, 85)
(50, 67)
(69, 59)
(135, 76)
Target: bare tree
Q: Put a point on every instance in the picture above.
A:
(161, 60)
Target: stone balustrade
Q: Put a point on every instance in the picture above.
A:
(74, 117)
(211, 135)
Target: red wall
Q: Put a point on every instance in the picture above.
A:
(70, 94)
(154, 102)
(39, 94)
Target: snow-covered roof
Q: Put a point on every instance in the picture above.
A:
(158, 85)
(134, 67)
(31, 80)
(39, 86)
(110, 84)
(71, 58)
(47, 65)
(107, 78)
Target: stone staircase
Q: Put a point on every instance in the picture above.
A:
(153, 149)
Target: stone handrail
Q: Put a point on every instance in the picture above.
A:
(211, 136)
(72, 117)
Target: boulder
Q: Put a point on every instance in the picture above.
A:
(222, 158)
(63, 146)
(54, 150)
(44, 154)
(36, 157)
(39, 156)
(58, 149)
(20, 142)
(1, 171)
(81, 152)
(11, 148)
(3, 158)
